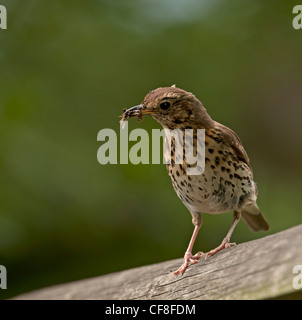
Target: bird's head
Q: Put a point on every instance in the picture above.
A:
(172, 108)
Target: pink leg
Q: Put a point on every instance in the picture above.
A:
(188, 254)
(226, 241)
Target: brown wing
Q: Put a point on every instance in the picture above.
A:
(230, 137)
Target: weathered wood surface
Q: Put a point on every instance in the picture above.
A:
(259, 269)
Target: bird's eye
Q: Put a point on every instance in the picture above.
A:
(165, 105)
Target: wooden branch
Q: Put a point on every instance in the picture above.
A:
(259, 269)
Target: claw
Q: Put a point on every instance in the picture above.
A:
(188, 258)
(223, 245)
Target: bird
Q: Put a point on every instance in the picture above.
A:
(226, 182)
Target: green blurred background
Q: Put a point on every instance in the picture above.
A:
(68, 68)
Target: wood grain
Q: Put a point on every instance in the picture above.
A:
(259, 269)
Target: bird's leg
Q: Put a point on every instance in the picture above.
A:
(189, 258)
(226, 241)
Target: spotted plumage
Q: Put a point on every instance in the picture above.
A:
(226, 183)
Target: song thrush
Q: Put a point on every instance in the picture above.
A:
(226, 183)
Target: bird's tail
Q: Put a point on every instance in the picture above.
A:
(254, 218)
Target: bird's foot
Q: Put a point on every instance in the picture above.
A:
(188, 258)
(225, 244)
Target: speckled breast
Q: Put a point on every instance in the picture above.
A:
(224, 184)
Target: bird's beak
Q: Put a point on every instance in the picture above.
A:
(147, 111)
(137, 111)
(134, 110)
